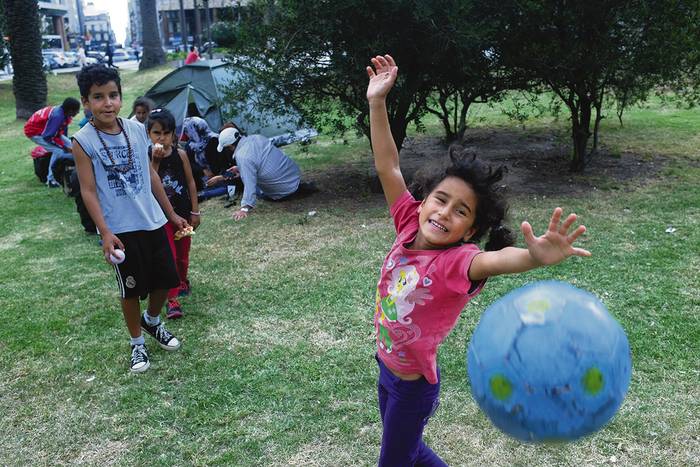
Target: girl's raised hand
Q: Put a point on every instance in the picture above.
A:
(556, 244)
(382, 77)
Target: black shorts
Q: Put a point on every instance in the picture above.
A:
(148, 266)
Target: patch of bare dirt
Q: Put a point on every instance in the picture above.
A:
(536, 164)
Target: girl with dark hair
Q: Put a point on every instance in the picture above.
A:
(434, 268)
(141, 108)
(173, 168)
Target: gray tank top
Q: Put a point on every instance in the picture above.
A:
(124, 191)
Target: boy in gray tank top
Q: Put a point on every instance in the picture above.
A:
(127, 202)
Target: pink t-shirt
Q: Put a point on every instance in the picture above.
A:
(420, 295)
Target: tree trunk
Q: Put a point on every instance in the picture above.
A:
(596, 126)
(153, 54)
(580, 132)
(28, 81)
(183, 26)
(398, 130)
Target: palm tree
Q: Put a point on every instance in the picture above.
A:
(152, 51)
(24, 31)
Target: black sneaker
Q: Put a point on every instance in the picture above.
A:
(139, 358)
(162, 335)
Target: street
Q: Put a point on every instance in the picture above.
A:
(127, 65)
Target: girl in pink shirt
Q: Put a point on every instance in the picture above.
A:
(434, 268)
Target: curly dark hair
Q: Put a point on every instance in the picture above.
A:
(70, 104)
(98, 74)
(492, 206)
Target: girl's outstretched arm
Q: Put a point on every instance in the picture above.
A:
(386, 156)
(551, 248)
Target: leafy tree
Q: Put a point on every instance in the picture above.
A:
(24, 31)
(463, 68)
(314, 53)
(153, 54)
(584, 50)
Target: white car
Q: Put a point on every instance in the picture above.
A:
(120, 55)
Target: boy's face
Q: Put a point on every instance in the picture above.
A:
(104, 102)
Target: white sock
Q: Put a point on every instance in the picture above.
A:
(138, 340)
(151, 320)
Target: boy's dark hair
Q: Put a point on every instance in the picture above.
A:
(97, 74)
(162, 116)
(492, 207)
(71, 104)
(143, 101)
(191, 48)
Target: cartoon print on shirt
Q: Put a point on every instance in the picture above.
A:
(403, 295)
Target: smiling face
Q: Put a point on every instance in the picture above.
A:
(446, 216)
(104, 102)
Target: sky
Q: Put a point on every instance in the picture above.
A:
(118, 15)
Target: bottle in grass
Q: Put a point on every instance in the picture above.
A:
(547, 362)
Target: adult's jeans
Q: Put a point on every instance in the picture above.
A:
(57, 153)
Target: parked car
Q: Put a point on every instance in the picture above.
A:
(120, 55)
(206, 46)
(71, 58)
(95, 55)
(55, 58)
(131, 53)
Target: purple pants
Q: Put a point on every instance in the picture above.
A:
(405, 407)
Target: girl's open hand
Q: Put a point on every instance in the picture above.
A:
(382, 77)
(556, 244)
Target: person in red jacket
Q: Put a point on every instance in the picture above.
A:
(48, 128)
(193, 56)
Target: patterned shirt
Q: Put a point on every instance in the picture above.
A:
(420, 295)
(123, 190)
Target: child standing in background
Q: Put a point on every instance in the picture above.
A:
(432, 271)
(142, 106)
(173, 168)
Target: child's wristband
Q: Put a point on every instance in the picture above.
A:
(198, 213)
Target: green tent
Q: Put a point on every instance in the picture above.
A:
(204, 83)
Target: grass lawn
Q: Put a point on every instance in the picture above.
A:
(277, 362)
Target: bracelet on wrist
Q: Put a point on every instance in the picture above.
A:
(245, 209)
(197, 213)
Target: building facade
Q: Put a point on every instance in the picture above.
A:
(98, 27)
(173, 33)
(54, 22)
(69, 23)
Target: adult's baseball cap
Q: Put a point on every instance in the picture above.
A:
(227, 137)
